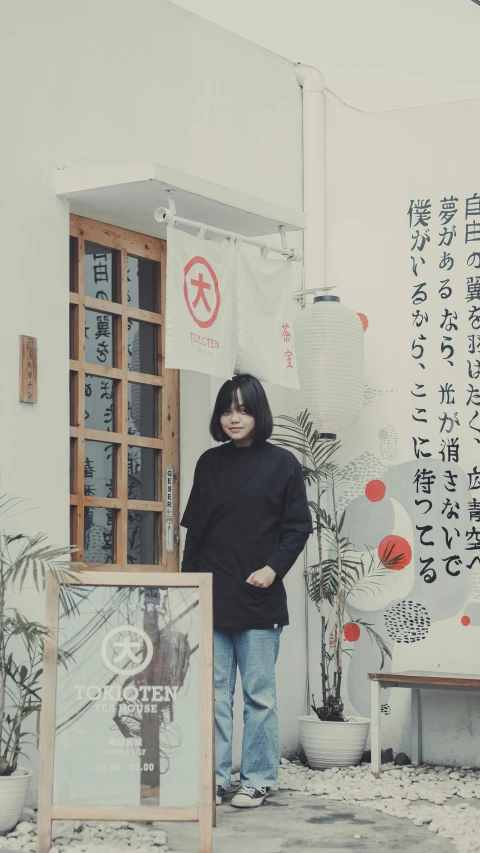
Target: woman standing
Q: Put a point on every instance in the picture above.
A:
(248, 520)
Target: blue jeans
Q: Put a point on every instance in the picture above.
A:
(255, 653)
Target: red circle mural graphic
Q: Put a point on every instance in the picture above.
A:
(375, 490)
(394, 552)
(351, 632)
(364, 320)
(201, 292)
(465, 620)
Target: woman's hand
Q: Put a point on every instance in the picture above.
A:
(262, 578)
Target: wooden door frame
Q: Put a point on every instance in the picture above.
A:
(126, 243)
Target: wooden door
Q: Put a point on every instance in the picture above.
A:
(124, 411)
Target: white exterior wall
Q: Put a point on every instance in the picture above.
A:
(375, 165)
(116, 83)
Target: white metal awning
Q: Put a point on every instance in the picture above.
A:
(128, 196)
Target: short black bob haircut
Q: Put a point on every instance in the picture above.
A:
(255, 404)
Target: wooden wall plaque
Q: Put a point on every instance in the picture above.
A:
(28, 369)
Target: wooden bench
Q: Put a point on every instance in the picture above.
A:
(415, 681)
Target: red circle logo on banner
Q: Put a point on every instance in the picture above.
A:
(201, 292)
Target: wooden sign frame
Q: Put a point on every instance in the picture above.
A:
(204, 813)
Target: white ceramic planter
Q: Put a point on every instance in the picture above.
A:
(13, 796)
(329, 744)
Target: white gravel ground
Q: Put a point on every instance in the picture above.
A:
(444, 800)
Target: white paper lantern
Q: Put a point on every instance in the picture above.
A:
(330, 360)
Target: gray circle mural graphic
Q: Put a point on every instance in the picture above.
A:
(407, 622)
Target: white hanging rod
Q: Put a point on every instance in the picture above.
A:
(300, 294)
(166, 216)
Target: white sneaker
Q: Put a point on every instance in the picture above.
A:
(220, 793)
(250, 798)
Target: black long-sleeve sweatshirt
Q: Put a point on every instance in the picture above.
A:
(247, 509)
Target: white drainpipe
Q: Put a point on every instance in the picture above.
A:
(314, 239)
(314, 198)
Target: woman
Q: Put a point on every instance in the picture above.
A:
(248, 520)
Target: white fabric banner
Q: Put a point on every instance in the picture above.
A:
(200, 321)
(265, 306)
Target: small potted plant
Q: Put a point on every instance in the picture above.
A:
(338, 574)
(23, 560)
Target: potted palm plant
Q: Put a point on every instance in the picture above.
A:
(338, 574)
(24, 561)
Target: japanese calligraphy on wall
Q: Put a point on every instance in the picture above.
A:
(445, 296)
(411, 472)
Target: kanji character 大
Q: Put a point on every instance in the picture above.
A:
(201, 295)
